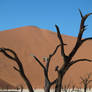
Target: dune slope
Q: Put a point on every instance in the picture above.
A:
(32, 40)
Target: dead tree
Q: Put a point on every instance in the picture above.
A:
(68, 58)
(86, 81)
(48, 83)
(20, 66)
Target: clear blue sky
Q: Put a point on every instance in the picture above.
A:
(45, 14)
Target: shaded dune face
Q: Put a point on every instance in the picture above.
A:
(39, 42)
(5, 85)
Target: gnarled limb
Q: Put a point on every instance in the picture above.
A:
(67, 59)
(45, 71)
(9, 56)
(62, 43)
(51, 55)
(20, 66)
(86, 39)
(78, 60)
(48, 83)
(81, 31)
(82, 25)
(37, 60)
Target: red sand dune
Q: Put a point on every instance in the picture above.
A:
(32, 40)
(5, 85)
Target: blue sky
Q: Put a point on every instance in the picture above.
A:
(45, 14)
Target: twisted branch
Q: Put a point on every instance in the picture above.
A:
(62, 43)
(20, 70)
(78, 60)
(81, 31)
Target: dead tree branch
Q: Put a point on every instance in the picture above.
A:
(48, 83)
(79, 60)
(68, 59)
(20, 66)
(81, 31)
(62, 43)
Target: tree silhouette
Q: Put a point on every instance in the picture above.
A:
(47, 60)
(20, 68)
(86, 81)
(68, 58)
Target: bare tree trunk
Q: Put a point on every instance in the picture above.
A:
(47, 88)
(27, 82)
(85, 88)
(59, 83)
(47, 85)
(66, 66)
(61, 74)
